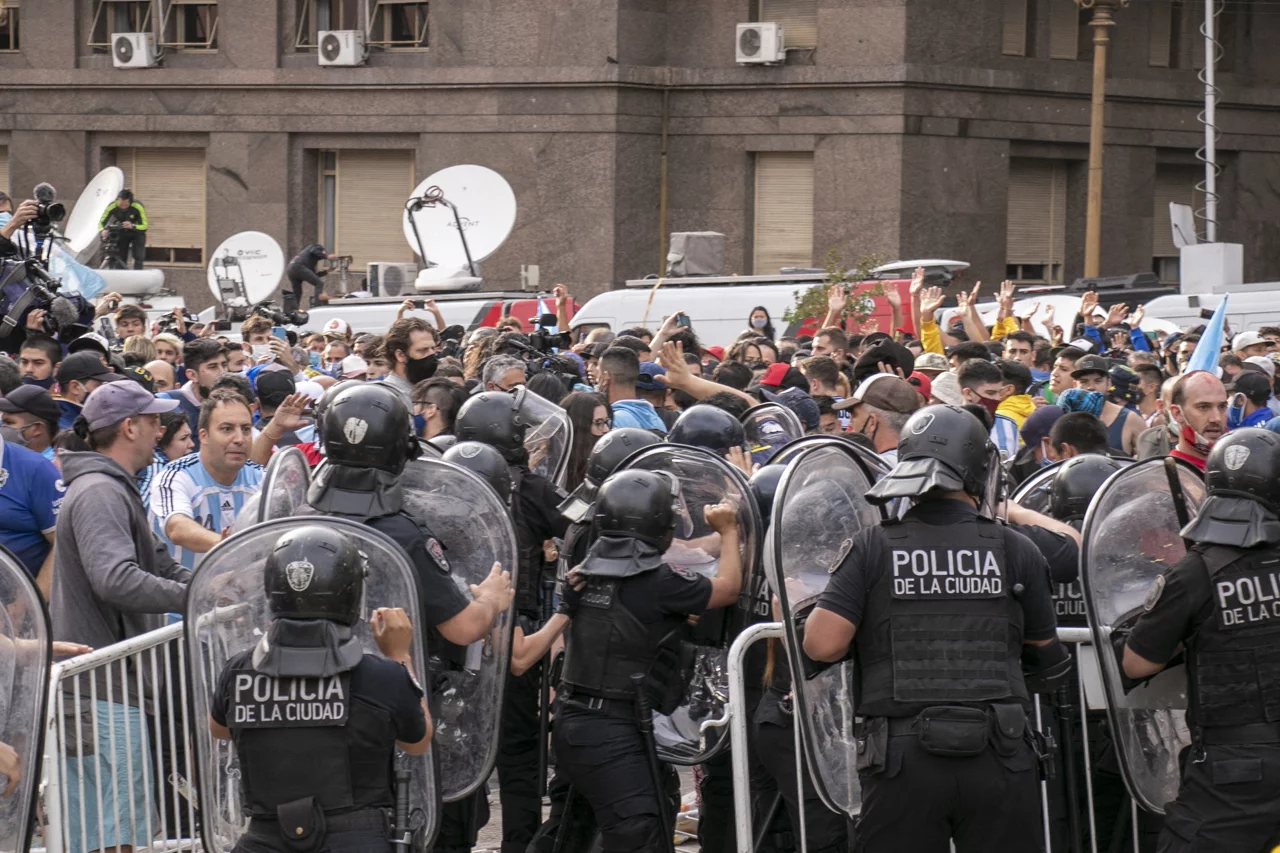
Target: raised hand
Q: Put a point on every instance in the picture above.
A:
(917, 280)
(1116, 314)
(1088, 303)
(1135, 319)
(931, 299)
(870, 326)
(837, 299)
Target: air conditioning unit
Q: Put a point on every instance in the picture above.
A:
(391, 279)
(134, 50)
(342, 47)
(760, 44)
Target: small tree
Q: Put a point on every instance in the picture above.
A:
(812, 302)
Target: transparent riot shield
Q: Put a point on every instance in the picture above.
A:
(769, 427)
(227, 614)
(694, 732)
(548, 434)
(284, 490)
(819, 507)
(25, 653)
(1035, 492)
(1130, 536)
(475, 528)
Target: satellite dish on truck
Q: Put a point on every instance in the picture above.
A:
(456, 218)
(82, 225)
(245, 269)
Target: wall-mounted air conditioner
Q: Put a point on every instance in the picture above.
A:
(134, 50)
(760, 44)
(391, 279)
(342, 47)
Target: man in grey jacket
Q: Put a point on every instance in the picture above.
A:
(112, 579)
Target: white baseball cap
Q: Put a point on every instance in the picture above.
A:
(353, 366)
(1246, 339)
(1268, 366)
(340, 328)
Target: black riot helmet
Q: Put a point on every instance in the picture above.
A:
(443, 442)
(608, 453)
(708, 427)
(941, 447)
(764, 487)
(493, 418)
(1076, 482)
(315, 572)
(368, 426)
(638, 505)
(1242, 476)
(485, 462)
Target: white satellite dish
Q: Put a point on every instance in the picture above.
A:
(1183, 220)
(245, 269)
(82, 225)
(474, 202)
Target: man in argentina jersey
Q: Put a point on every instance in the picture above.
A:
(195, 499)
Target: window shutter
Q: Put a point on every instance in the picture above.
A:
(1191, 51)
(1174, 184)
(784, 211)
(1159, 51)
(170, 183)
(799, 20)
(1037, 212)
(372, 187)
(1064, 30)
(4, 168)
(1014, 38)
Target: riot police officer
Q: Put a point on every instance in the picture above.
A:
(314, 719)
(942, 609)
(501, 421)
(1219, 603)
(624, 652)
(608, 453)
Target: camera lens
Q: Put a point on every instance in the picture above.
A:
(56, 211)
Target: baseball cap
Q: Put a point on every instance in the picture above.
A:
(1039, 424)
(647, 382)
(31, 400)
(272, 386)
(80, 366)
(716, 352)
(90, 340)
(140, 375)
(1246, 339)
(921, 383)
(946, 388)
(801, 405)
(1267, 365)
(110, 404)
(1091, 364)
(336, 328)
(932, 361)
(1255, 386)
(782, 375)
(354, 366)
(885, 392)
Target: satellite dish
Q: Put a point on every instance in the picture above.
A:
(483, 207)
(82, 225)
(245, 269)
(1183, 220)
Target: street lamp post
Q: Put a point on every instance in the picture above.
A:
(1101, 23)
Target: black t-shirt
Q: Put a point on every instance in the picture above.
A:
(669, 591)
(375, 681)
(1059, 551)
(439, 595)
(846, 594)
(539, 518)
(1180, 608)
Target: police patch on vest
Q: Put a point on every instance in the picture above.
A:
(1248, 600)
(1153, 594)
(262, 702)
(1068, 603)
(437, 553)
(946, 573)
(687, 574)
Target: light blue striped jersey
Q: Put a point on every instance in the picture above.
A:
(184, 487)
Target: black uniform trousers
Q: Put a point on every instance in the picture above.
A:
(602, 754)
(125, 239)
(574, 813)
(518, 760)
(297, 275)
(921, 802)
(825, 831)
(1230, 801)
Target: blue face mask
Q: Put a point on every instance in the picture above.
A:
(46, 384)
(314, 358)
(4, 219)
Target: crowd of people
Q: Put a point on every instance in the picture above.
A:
(123, 462)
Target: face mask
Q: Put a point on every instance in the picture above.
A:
(314, 358)
(46, 384)
(759, 322)
(989, 404)
(12, 436)
(1196, 440)
(4, 219)
(332, 366)
(862, 430)
(418, 369)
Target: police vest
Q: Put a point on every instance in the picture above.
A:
(942, 625)
(1234, 660)
(308, 737)
(605, 644)
(1068, 605)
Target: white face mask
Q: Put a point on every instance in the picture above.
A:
(759, 322)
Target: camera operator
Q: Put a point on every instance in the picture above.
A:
(124, 224)
(303, 268)
(26, 212)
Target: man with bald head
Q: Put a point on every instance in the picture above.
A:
(1198, 407)
(162, 372)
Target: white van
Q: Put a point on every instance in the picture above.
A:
(1250, 306)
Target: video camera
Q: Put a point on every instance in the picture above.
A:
(169, 323)
(26, 286)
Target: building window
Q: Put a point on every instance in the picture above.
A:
(190, 25)
(117, 16)
(1037, 212)
(783, 211)
(316, 16)
(1065, 23)
(1174, 185)
(8, 25)
(170, 183)
(1175, 37)
(1016, 32)
(362, 197)
(4, 168)
(397, 25)
(799, 20)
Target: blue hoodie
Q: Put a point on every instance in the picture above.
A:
(637, 413)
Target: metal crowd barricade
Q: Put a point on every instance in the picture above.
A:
(132, 698)
(1090, 697)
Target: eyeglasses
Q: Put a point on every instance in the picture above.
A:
(601, 423)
